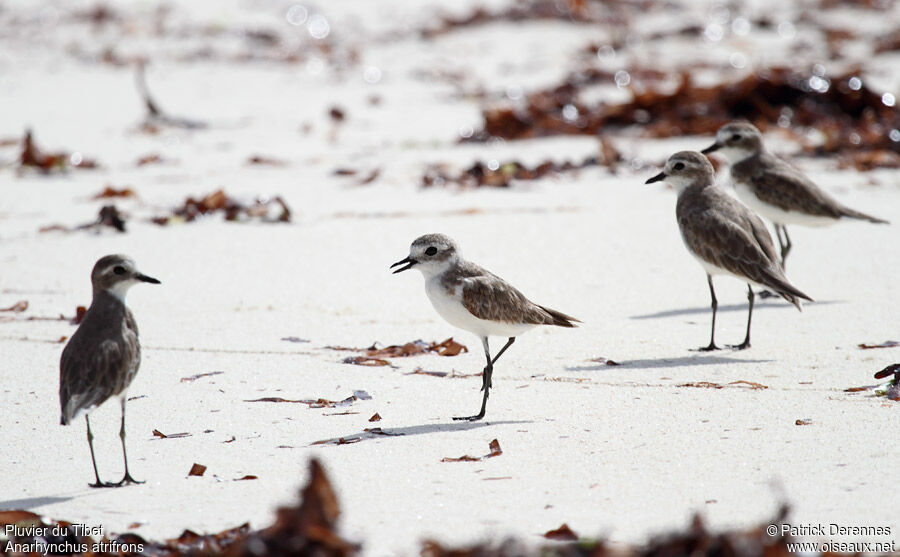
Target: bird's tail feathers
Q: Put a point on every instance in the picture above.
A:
(847, 212)
(787, 290)
(559, 318)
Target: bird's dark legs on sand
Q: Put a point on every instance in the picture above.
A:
(486, 376)
(127, 479)
(90, 437)
(746, 343)
(715, 305)
(785, 245)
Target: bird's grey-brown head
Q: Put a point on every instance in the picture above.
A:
(736, 141)
(686, 168)
(116, 274)
(431, 254)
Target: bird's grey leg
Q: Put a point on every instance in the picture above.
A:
(90, 438)
(486, 372)
(486, 377)
(127, 479)
(746, 343)
(715, 305)
(502, 350)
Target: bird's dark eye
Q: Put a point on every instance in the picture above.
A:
(119, 270)
(431, 251)
(735, 137)
(678, 166)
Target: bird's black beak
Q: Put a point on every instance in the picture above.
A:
(144, 278)
(657, 178)
(409, 260)
(711, 148)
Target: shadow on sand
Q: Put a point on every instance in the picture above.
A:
(695, 360)
(768, 303)
(31, 502)
(379, 433)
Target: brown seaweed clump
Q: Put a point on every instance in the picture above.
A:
(854, 121)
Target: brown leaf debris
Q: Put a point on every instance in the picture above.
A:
(220, 202)
(197, 470)
(563, 534)
(34, 157)
(375, 356)
(494, 447)
(885, 344)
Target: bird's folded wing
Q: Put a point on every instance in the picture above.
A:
(491, 298)
(92, 374)
(729, 246)
(788, 189)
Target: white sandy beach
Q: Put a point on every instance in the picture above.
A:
(620, 452)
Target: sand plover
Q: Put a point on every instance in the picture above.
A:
(475, 300)
(775, 189)
(104, 354)
(723, 235)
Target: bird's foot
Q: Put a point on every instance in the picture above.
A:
(127, 480)
(709, 348)
(99, 484)
(763, 294)
(474, 418)
(742, 346)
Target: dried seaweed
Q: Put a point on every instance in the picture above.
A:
(17, 307)
(501, 175)
(696, 541)
(563, 534)
(710, 385)
(220, 202)
(152, 158)
(80, 312)
(571, 11)
(885, 344)
(192, 378)
(313, 403)
(108, 216)
(375, 356)
(605, 361)
(197, 470)
(260, 160)
(849, 115)
(494, 447)
(307, 528)
(46, 162)
(111, 192)
(365, 361)
(157, 433)
(889, 42)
